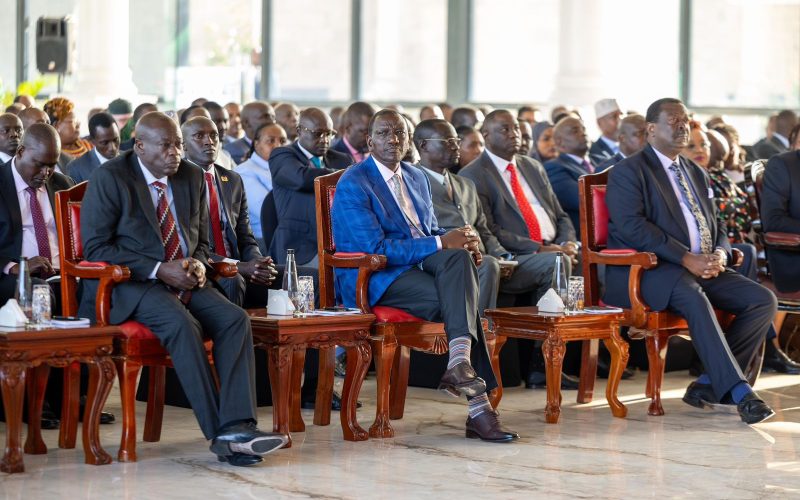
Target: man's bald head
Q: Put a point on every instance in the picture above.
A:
(254, 115)
(201, 140)
(10, 133)
(38, 154)
(501, 132)
(315, 131)
(192, 112)
(632, 134)
(437, 143)
(29, 116)
(570, 137)
(159, 144)
(355, 123)
(287, 115)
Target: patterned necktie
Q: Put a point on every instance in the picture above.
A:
(534, 230)
(691, 201)
(587, 166)
(216, 223)
(407, 209)
(169, 235)
(39, 226)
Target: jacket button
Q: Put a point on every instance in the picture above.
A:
(459, 207)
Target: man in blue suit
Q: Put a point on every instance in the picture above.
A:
(254, 115)
(563, 171)
(632, 138)
(384, 206)
(104, 134)
(659, 202)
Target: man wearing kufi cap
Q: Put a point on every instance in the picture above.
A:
(608, 116)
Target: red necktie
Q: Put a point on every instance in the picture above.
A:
(216, 223)
(169, 235)
(524, 206)
(39, 226)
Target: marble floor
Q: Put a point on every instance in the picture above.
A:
(589, 454)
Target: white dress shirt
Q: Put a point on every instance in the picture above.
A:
(614, 145)
(691, 222)
(100, 157)
(4, 158)
(223, 216)
(29, 246)
(546, 226)
(783, 140)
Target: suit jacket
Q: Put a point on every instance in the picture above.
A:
(500, 208)
(119, 226)
(780, 211)
(81, 168)
(464, 208)
(237, 149)
(564, 173)
(238, 233)
(127, 145)
(366, 218)
(339, 146)
(609, 163)
(767, 148)
(645, 215)
(293, 189)
(600, 152)
(11, 216)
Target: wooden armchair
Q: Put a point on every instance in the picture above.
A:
(656, 327)
(394, 333)
(134, 348)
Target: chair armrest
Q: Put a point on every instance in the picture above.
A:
(782, 241)
(638, 262)
(366, 263)
(108, 276)
(223, 269)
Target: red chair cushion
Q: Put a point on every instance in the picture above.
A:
(385, 314)
(136, 330)
(74, 218)
(600, 215)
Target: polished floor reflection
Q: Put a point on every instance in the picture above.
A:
(589, 454)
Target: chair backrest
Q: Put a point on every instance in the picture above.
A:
(68, 228)
(269, 219)
(324, 190)
(754, 182)
(594, 228)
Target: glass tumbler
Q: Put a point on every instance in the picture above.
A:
(41, 307)
(576, 297)
(305, 288)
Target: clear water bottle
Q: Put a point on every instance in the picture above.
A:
(24, 291)
(560, 281)
(290, 283)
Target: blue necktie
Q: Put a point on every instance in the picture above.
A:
(317, 161)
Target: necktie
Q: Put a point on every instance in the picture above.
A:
(689, 198)
(588, 166)
(169, 235)
(406, 207)
(317, 161)
(448, 186)
(524, 205)
(216, 223)
(39, 226)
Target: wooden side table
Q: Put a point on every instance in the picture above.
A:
(286, 339)
(30, 353)
(556, 330)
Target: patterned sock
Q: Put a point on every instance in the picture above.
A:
(478, 405)
(703, 379)
(459, 350)
(739, 391)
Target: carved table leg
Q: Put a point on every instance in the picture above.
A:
(322, 403)
(12, 381)
(497, 394)
(70, 406)
(101, 378)
(37, 382)
(280, 371)
(358, 358)
(619, 360)
(553, 349)
(588, 370)
(154, 416)
(296, 423)
(383, 353)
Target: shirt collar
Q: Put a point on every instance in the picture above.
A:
(612, 144)
(576, 158)
(19, 182)
(353, 151)
(783, 140)
(500, 163)
(149, 178)
(100, 157)
(436, 175)
(386, 172)
(305, 152)
(258, 161)
(4, 157)
(666, 162)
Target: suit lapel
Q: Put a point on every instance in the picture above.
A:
(701, 193)
(381, 190)
(181, 196)
(225, 193)
(143, 193)
(9, 191)
(665, 186)
(536, 186)
(491, 170)
(415, 190)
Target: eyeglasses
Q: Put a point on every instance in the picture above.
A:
(451, 141)
(320, 134)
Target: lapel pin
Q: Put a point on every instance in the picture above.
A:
(223, 178)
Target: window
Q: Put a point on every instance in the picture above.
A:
(404, 50)
(311, 50)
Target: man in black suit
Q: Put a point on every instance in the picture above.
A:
(146, 210)
(608, 117)
(254, 115)
(780, 212)
(632, 138)
(104, 134)
(10, 136)
(293, 170)
(353, 141)
(138, 112)
(779, 142)
(659, 202)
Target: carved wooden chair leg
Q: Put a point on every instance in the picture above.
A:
(383, 354)
(324, 395)
(656, 354)
(35, 388)
(155, 404)
(399, 384)
(128, 372)
(70, 406)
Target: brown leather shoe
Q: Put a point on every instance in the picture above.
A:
(462, 378)
(487, 427)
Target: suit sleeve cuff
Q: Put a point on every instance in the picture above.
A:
(7, 269)
(438, 243)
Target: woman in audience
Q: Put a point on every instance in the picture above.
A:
(62, 117)
(471, 146)
(544, 147)
(734, 163)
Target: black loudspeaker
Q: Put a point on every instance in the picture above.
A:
(55, 43)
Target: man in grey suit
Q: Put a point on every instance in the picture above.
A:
(254, 115)
(104, 134)
(146, 210)
(456, 204)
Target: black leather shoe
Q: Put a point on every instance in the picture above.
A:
(603, 369)
(336, 403)
(339, 364)
(538, 380)
(700, 396)
(240, 459)
(753, 410)
(487, 427)
(775, 360)
(246, 438)
(49, 420)
(105, 417)
(462, 378)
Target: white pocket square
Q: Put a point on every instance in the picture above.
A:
(710, 193)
